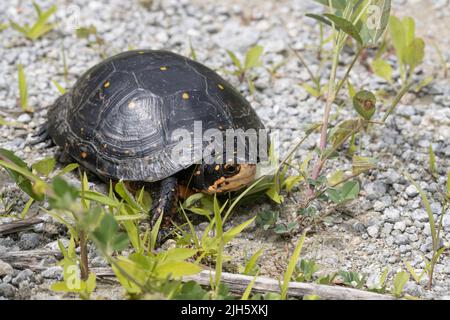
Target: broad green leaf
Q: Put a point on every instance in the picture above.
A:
(414, 53)
(364, 103)
(349, 190)
(45, 166)
(375, 20)
(122, 190)
(107, 236)
(290, 182)
(253, 57)
(336, 177)
(409, 26)
(178, 254)
(345, 25)
(398, 36)
(274, 195)
(362, 164)
(382, 69)
(177, 269)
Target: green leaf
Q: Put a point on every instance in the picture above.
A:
(22, 88)
(70, 167)
(400, 279)
(349, 190)
(414, 53)
(320, 19)
(177, 269)
(233, 232)
(107, 236)
(345, 25)
(45, 166)
(18, 28)
(100, 198)
(312, 91)
(364, 103)
(432, 161)
(351, 89)
(253, 57)
(382, 69)
(409, 26)
(362, 164)
(19, 172)
(448, 186)
(398, 36)
(291, 266)
(122, 190)
(336, 4)
(26, 208)
(59, 87)
(250, 266)
(235, 60)
(374, 20)
(41, 26)
(273, 194)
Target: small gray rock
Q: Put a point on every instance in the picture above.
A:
(5, 269)
(411, 191)
(29, 241)
(392, 214)
(373, 231)
(25, 117)
(7, 290)
(53, 273)
(400, 225)
(24, 275)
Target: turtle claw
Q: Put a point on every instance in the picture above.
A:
(42, 136)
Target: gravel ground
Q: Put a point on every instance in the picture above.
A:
(385, 227)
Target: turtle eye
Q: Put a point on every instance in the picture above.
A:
(230, 168)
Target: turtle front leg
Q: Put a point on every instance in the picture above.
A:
(165, 203)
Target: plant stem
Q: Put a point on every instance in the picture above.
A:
(347, 73)
(84, 256)
(397, 99)
(330, 99)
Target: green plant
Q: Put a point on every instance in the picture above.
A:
(353, 279)
(400, 279)
(410, 51)
(23, 91)
(291, 267)
(243, 68)
(305, 270)
(40, 27)
(435, 230)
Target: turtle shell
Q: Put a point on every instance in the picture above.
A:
(119, 119)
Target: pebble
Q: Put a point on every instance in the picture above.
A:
(373, 231)
(7, 290)
(24, 275)
(29, 241)
(411, 191)
(25, 117)
(5, 269)
(55, 272)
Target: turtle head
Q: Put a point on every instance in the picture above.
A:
(218, 178)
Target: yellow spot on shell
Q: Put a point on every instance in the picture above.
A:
(217, 167)
(83, 154)
(107, 84)
(132, 105)
(185, 95)
(141, 52)
(220, 86)
(163, 68)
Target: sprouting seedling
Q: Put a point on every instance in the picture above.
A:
(40, 27)
(192, 49)
(432, 162)
(242, 68)
(23, 92)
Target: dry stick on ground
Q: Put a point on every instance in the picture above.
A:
(236, 282)
(19, 225)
